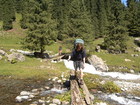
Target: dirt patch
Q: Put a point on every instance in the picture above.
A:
(10, 88)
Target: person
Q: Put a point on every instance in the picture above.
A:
(78, 55)
(60, 50)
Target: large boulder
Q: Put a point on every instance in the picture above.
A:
(98, 63)
(16, 56)
(137, 41)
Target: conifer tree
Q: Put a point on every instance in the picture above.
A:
(102, 17)
(133, 17)
(8, 14)
(92, 8)
(115, 40)
(60, 11)
(80, 22)
(41, 27)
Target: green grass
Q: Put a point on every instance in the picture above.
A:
(31, 67)
(119, 59)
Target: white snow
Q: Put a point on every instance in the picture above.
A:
(90, 69)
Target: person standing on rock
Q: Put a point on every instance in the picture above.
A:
(78, 56)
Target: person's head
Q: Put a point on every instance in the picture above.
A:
(79, 47)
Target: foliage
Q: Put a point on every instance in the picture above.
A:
(110, 87)
(41, 28)
(115, 40)
(64, 97)
(133, 17)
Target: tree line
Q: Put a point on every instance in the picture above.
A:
(51, 20)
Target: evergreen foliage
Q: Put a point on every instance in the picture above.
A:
(115, 40)
(8, 13)
(80, 22)
(41, 27)
(133, 17)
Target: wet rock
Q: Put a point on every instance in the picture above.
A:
(132, 71)
(59, 81)
(33, 104)
(46, 87)
(21, 98)
(98, 63)
(25, 93)
(56, 101)
(65, 103)
(41, 101)
(101, 103)
(91, 97)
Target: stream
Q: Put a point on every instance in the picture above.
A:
(125, 81)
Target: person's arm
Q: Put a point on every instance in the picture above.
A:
(84, 60)
(69, 57)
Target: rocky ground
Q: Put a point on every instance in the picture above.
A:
(10, 88)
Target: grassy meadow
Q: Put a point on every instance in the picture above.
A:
(34, 67)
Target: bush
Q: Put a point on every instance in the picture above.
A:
(110, 87)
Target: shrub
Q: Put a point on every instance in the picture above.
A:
(110, 87)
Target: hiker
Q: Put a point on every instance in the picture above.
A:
(60, 50)
(78, 55)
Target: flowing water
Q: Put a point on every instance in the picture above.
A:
(119, 78)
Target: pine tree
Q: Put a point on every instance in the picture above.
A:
(92, 8)
(60, 11)
(133, 17)
(41, 27)
(115, 40)
(102, 18)
(8, 14)
(80, 24)
(25, 14)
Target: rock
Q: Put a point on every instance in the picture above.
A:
(101, 103)
(41, 101)
(98, 63)
(56, 101)
(65, 103)
(137, 49)
(91, 97)
(59, 81)
(137, 41)
(46, 87)
(16, 56)
(2, 52)
(34, 90)
(97, 48)
(25, 93)
(127, 60)
(55, 78)
(52, 104)
(134, 55)
(0, 57)
(12, 50)
(21, 98)
(132, 71)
